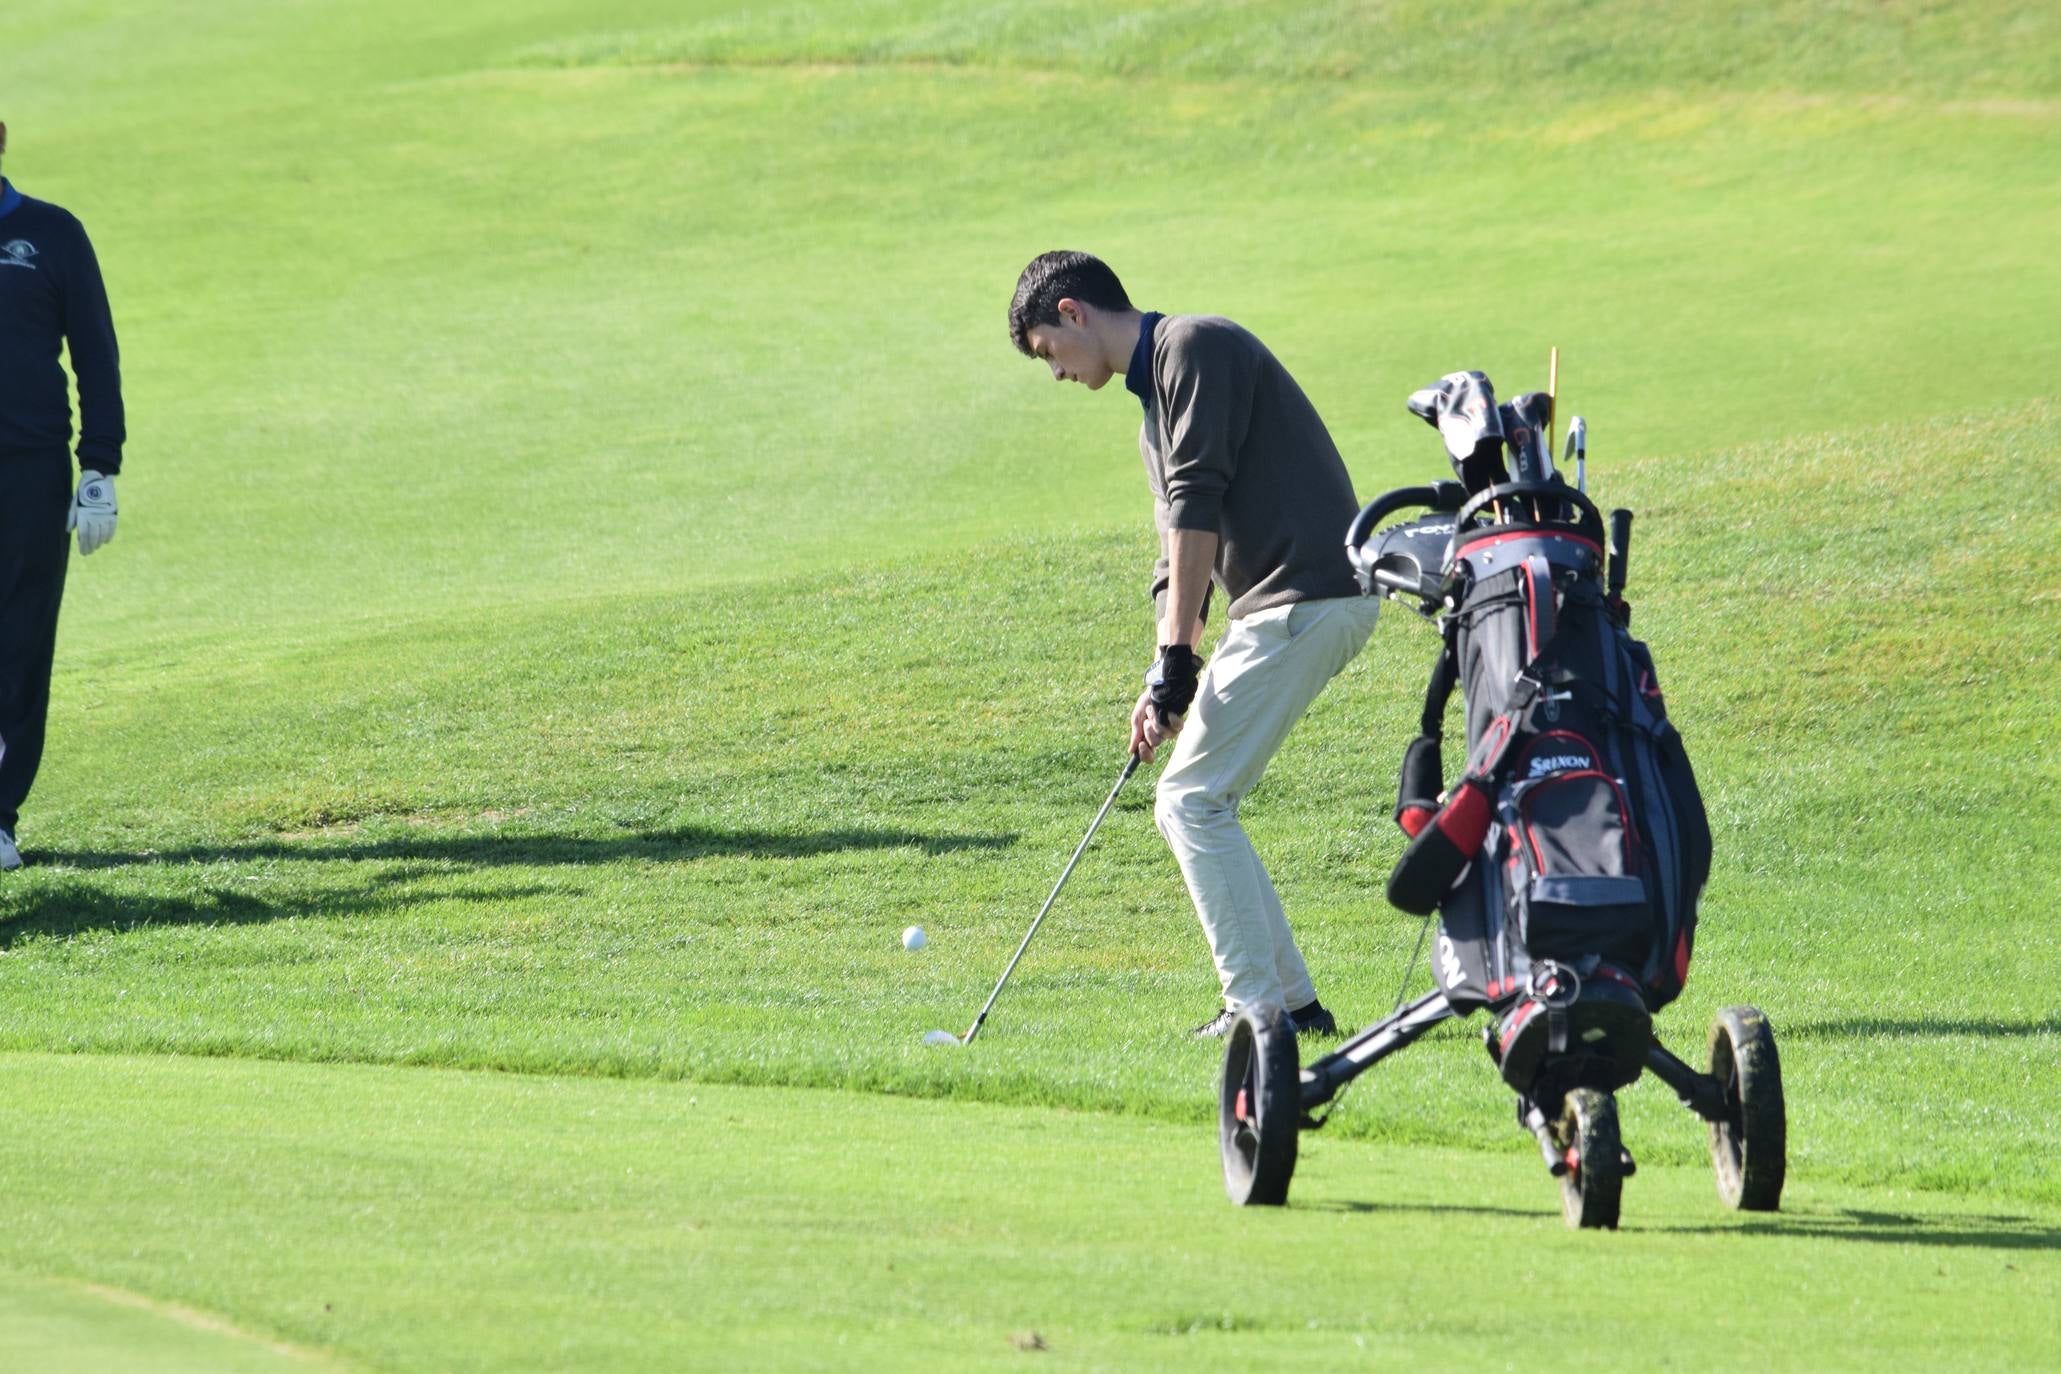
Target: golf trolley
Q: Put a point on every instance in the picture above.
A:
(1566, 863)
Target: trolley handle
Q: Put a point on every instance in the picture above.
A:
(1438, 496)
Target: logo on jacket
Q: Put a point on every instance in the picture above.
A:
(16, 253)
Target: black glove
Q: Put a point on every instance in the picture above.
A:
(1173, 680)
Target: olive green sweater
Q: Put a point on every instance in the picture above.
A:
(1232, 445)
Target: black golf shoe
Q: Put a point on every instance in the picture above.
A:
(1314, 1019)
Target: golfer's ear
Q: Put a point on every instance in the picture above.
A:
(1070, 310)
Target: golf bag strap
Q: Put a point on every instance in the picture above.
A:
(1485, 764)
(1541, 616)
(1444, 674)
(1423, 775)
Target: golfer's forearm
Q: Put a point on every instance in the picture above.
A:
(1191, 554)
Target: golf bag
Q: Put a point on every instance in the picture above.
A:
(1567, 861)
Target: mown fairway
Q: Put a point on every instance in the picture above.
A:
(592, 570)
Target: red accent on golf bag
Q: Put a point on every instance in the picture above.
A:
(1442, 850)
(1442, 847)
(1464, 819)
(1423, 778)
(1514, 1024)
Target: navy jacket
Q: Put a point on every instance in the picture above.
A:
(51, 294)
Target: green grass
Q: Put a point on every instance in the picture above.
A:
(1907, 48)
(640, 838)
(673, 1226)
(633, 340)
(592, 570)
(71, 1327)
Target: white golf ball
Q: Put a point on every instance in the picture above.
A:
(914, 938)
(940, 1037)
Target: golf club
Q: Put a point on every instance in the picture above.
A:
(1130, 767)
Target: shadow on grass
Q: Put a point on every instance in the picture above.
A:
(1878, 1228)
(77, 911)
(1431, 1208)
(1889, 1228)
(679, 844)
(1873, 1027)
(72, 910)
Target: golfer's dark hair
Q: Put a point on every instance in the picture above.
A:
(1056, 276)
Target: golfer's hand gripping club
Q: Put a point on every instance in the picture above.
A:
(1172, 682)
(1170, 686)
(93, 511)
(1130, 767)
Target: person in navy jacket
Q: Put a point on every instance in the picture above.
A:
(51, 299)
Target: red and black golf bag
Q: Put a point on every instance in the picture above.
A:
(1567, 858)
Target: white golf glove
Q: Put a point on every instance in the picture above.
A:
(93, 511)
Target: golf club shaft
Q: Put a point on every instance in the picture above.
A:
(1130, 767)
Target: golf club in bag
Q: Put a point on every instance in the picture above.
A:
(1566, 859)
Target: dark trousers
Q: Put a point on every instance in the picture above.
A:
(35, 495)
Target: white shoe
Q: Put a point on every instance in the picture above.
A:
(10, 857)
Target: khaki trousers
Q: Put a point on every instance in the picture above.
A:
(1267, 669)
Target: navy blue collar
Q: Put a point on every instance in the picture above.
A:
(1138, 377)
(9, 197)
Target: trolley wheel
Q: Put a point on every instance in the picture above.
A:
(1749, 1147)
(1259, 1107)
(1593, 1186)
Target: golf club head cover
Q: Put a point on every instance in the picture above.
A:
(1461, 406)
(1173, 681)
(1416, 796)
(1534, 417)
(1525, 421)
(1442, 850)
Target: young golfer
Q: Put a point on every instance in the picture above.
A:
(50, 297)
(1249, 491)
